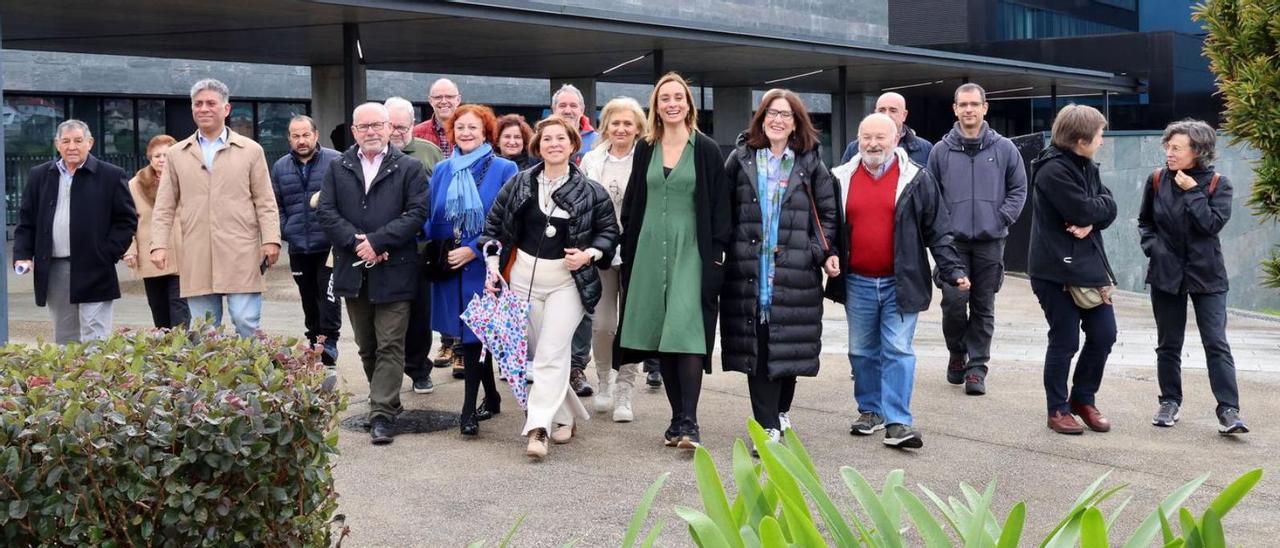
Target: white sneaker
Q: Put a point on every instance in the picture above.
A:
(622, 404)
(784, 421)
(775, 435)
(604, 395)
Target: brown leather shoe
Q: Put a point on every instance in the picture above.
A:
(1091, 417)
(1064, 423)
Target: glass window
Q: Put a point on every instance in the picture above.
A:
(118, 133)
(150, 121)
(29, 123)
(273, 126)
(241, 120)
(89, 111)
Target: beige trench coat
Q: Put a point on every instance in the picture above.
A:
(227, 214)
(142, 239)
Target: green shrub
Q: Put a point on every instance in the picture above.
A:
(166, 439)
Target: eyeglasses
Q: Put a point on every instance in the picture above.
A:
(373, 125)
(779, 114)
(443, 97)
(401, 129)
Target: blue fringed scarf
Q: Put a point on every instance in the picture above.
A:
(463, 207)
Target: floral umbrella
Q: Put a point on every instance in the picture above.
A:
(501, 322)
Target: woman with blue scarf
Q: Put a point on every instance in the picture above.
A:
(784, 221)
(463, 188)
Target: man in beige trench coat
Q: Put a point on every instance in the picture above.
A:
(218, 184)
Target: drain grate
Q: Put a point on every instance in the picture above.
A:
(415, 421)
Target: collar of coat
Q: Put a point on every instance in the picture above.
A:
(351, 161)
(90, 164)
(233, 139)
(907, 171)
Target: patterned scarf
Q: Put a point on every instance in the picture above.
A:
(772, 175)
(463, 207)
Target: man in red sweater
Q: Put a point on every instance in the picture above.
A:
(893, 212)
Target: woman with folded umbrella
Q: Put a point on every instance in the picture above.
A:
(554, 226)
(463, 188)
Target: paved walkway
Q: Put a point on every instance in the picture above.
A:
(441, 490)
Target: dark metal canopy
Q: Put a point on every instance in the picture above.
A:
(508, 38)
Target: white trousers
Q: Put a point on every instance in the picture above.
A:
(554, 316)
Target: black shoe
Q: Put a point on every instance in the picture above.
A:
(671, 437)
(470, 426)
(578, 382)
(653, 379)
(955, 368)
(380, 431)
(1229, 422)
(424, 386)
(975, 384)
(902, 436)
(690, 437)
(485, 411)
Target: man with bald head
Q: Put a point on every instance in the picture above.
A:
(444, 98)
(372, 205)
(893, 211)
(894, 105)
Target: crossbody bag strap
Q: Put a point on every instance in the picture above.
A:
(817, 224)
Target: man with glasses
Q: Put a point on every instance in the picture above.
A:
(417, 340)
(295, 177)
(444, 98)
(984, 185)
(372, 206)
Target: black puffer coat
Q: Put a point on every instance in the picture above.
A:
(1180, 232)
(592, 223)
(795, 312)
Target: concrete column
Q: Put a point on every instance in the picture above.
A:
(732, 113)
(588, 88)
(329, 100)
(4, 261)
(857, 106)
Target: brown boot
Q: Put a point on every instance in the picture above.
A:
(1064, 423)
(1091, 417)
(537, 448)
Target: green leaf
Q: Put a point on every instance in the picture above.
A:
(1211, 530)
(886, 530)
(18, 509)
(826, 507)
(1229, 497)
(642, 511)
(714, 500)
(1011, 533)
(747, 480)
(1146, 532)
(771, 534)
(705, 532)
(928, 526)
(1190, 533)
(1165, 528)
(1093, 529)
(800, 524)
(652, 537)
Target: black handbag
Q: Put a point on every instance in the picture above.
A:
(435, 259)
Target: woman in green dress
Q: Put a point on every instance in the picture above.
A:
(675, 218)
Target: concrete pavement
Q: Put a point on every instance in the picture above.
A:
(439, 489)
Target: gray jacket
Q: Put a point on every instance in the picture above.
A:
(984, 187)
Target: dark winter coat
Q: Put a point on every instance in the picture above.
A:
(390, 214)
(1067, 190)
(298, 223)
(795, 313)
(103, 220)
(1180, 232)
(711, 202)
(917, 148)
(592, 223)
(920, 222)
(984, 189)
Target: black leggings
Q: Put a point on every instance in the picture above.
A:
(682, 377)
(477, 373)
(768, 396)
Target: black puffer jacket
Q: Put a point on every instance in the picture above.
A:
(592, 223)
(1067, 190)
(1180, 232)
(795, 312)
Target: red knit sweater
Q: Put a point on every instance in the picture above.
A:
(869, 209)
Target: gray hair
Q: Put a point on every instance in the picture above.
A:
(71, 124)
(970, 86)
(570, 88)
(402, 104)
(375, 106)
(1203, 139)
(303, 118)
(210, 84)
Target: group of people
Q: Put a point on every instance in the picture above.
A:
(633, 241)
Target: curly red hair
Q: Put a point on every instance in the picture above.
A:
(488, 120)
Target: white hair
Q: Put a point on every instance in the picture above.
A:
(878, 116)
(70, 125)
(211, 84)
(570, 88)
(378, 107)
(401, 104)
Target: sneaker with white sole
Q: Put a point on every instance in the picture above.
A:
(867, 424)
(902, 436)
(784, 421)
(1167, 415)
(775, 435)
(1229, 422)
(424, 386)
(622, 404)
(604, 395)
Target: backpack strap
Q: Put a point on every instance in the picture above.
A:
(1155, 178)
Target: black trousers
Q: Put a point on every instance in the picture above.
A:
(768, 396)
(168, 309)
(1066, 321)
(969, 317)
(1171, 326)
(321, 310)
(417, 340)
(478, 373)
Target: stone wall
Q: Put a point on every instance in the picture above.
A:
(1128, 158)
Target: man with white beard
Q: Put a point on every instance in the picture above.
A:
(893, 211)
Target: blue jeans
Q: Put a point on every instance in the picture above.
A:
(880, 348)
(245, 308)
